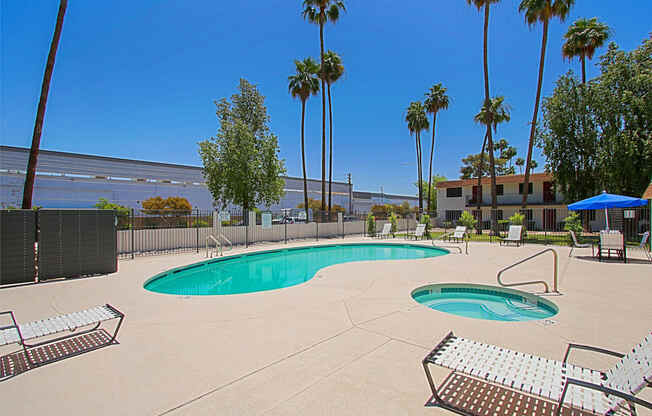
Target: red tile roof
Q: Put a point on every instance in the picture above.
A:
(534, 177)
(648, 192)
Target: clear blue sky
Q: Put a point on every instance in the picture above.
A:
(137, 79)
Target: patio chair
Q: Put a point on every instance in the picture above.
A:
(611, 240)
(643, 245)
(515, 235)
(419, 232)
(386, 231)
(458, 235)
(21, 333)
(575, 244)
(558, 381)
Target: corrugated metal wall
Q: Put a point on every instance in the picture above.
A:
(17, 238)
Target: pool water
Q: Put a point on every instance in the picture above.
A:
(274, 269)
(485, 302)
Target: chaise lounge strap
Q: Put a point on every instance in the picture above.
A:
(50, 326)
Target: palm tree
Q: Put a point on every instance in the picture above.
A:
(28, 189)
(303, 84)
(582, 39)
(540, 11)
(436, 99)
(331, 72)
(479, 4)
(320, 12)
(492, 113)
(417, 122)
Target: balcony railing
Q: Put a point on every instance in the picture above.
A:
(510, 199)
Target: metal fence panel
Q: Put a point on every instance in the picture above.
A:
(17, 238)
(76, 243)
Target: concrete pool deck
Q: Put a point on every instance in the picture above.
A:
(348, 342)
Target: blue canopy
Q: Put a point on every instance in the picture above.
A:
(605, 200)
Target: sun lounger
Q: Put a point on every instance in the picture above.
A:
(557, 381)
(386, 231)
(515, 235)
(576, 244)
(612, 241)
(459, 234)
(643, 245)
(418, 232)
(21, 333)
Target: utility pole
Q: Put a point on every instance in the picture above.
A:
(350, 193)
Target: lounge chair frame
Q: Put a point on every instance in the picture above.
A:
(619, 250)
(518, 242)
(419, 227)
(631, 399)
(27, 346)
(382, 233)
(575, 244)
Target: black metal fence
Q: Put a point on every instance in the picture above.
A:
(548, 225)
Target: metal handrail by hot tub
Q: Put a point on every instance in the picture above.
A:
(555, 267)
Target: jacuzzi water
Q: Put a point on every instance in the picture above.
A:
(485, 302)
(274, 269)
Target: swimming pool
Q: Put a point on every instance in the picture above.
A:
(274, 269)
(485, 302)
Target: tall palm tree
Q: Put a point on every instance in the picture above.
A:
(331, 72)
(303, 84)
(540, 11)
(320, 12)
(417, 121)
(436, 99)
(584, 36)
(28, 189)
(479, 4)
(492, 113)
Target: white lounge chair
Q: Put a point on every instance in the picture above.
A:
(558, 381)
(459, 234)
(418, 232)
(643, 245)
(515, 235)
(20, 333)
(575, 244)
(386, 231)
(612, 241)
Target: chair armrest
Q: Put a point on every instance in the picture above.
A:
(591, 348)
(630, 398)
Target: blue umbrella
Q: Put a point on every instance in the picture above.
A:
(605, 200)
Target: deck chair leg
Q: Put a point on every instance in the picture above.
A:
(117, 328)
(431, 383)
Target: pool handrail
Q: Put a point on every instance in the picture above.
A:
(218, 246)
(555, 270)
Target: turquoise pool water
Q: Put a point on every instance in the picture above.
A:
(485, 302)
(274, 269)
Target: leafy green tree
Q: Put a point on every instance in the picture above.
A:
(321, 12)
(573, 223)
(371, 225)
(394, 221)
(436, 100)
(30, 175)
(492, 113)
(241, 163)
(315, 205)
(120, 210)
(540, 11)
(624, 115)
(303, 84)
(584, 36)
(173, 203)
(417, 122)
(332, 71)
(431, 186)
(467, 220)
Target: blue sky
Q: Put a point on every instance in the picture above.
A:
(138, 79)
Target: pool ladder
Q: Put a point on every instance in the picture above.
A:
(555, 269)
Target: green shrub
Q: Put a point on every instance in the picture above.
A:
(573, 223)
(371, 225)
(394, 221)
(200, 224)
(467, 220)
(517, 219)
(425, 219)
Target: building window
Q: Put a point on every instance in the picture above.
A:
(527, 213)
(500, 189)
(520, 188)
(453, 216)
(453, 192)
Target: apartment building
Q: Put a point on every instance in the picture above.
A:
(546, 209)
